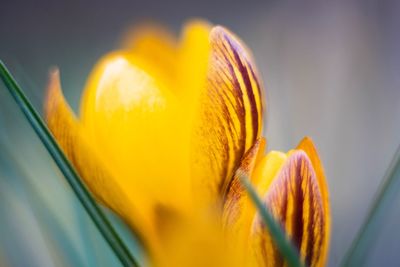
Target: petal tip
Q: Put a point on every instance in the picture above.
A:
(300, 155)
(196, 25)
(307, 140)
(198, 22)
(220, 33)
(219, 30)
(53, 91)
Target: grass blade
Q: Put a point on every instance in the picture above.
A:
(68, 171)
(286, 248)
(370, 229)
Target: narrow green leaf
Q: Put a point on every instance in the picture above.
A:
(68, 171)
(283, 243)
(370, 229)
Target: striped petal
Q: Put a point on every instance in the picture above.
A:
(236, 198)
(308, 146)
(295, 200)
(229, 115)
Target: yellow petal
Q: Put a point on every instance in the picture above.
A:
(68, 133)
(239, 211)
(142, 124)
(236, 197)
(229, 115)
(295, 200)
(133, 119)
(308, 146)
(267, 169)
(192, 61)
(199, 242)
(156, 45)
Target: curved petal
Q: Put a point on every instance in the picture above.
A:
(229, 115)
(91, 166)
(192, 61)
(239, 211)
(236, 198)
(307, 145)
(67, 131)
(135, 121)
(294, 198)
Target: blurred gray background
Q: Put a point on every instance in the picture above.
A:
(331, 71)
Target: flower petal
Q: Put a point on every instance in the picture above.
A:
(192, 60)
(294, 198)
(239, 210)
(236, 197)
(67, 131)
(308, 146)
(135, 121)
(229, 118)
(91, 166)
(156, 45)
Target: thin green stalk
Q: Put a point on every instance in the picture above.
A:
(68, 171)
(283, 243)
(390, 188)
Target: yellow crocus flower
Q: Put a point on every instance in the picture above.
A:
(163, 127)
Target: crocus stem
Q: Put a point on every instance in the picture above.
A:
(68, 171)
(385, 198)
(286, 248)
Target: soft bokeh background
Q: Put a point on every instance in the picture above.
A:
(331, 69)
